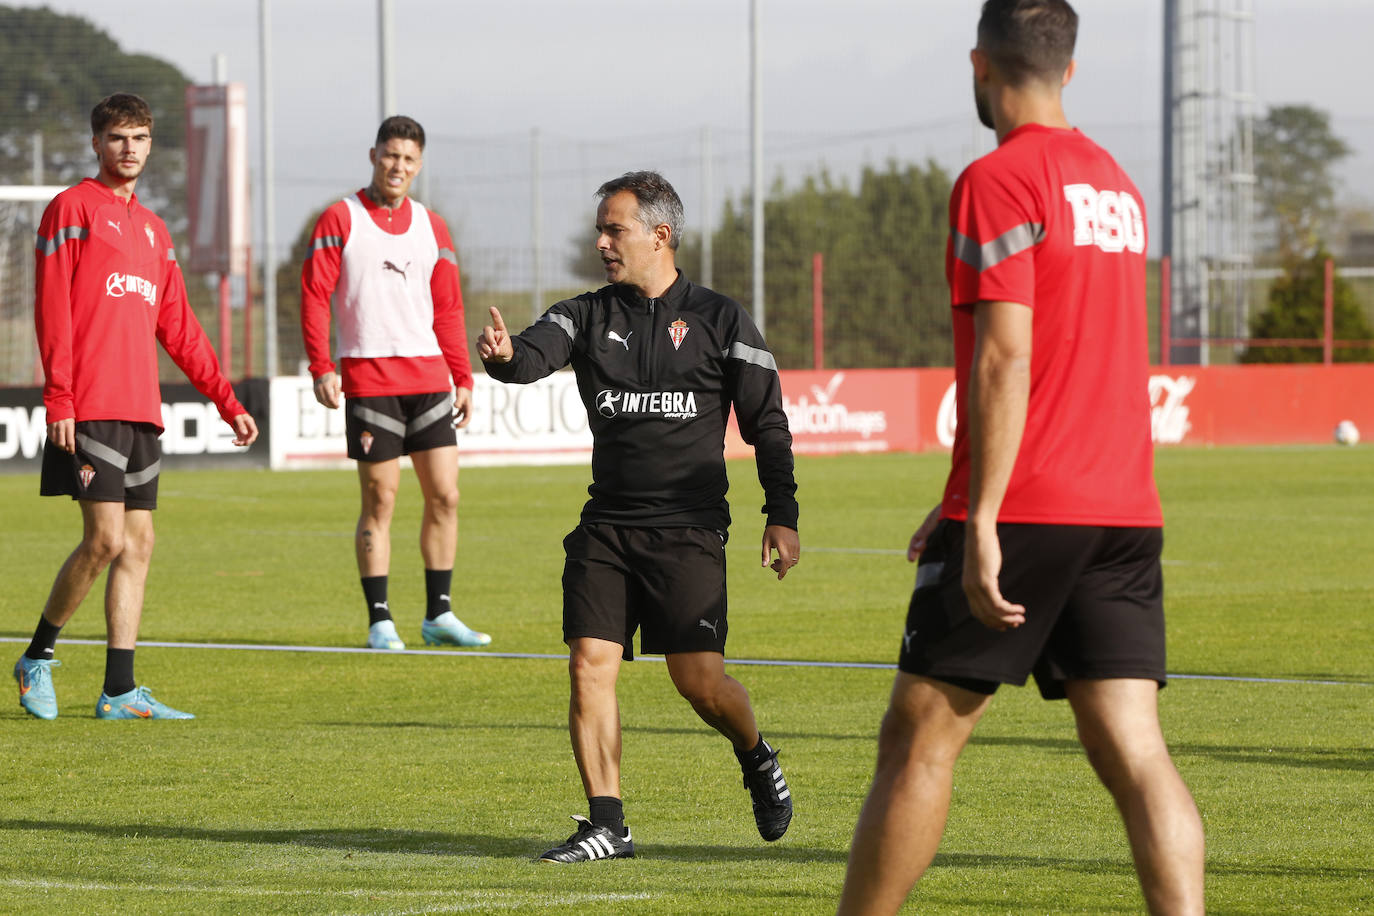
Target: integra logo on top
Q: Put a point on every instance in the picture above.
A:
(669, 405)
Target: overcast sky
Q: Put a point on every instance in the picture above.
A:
(620, 84)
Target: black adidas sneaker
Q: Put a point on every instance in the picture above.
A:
(771, 797)
(591, 843)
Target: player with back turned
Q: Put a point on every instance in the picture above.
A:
(659, 362)
(1044, 556)
(108, 290)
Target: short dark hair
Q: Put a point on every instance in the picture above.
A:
(399, 127)
(658, 202)
(122, 108)
(1028, 39)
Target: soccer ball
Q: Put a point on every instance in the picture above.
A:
(1347, 433)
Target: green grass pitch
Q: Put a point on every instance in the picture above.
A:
(419, 783)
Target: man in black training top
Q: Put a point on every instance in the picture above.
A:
(659, 363)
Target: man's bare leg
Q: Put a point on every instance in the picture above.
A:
(1118, 723)
(594, 714)
(723, 703)
(378, 481)
(926, 727)
(102, 540)
(437, 471)
(127, 580)
(720, 700)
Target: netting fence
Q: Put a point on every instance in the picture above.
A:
(521, 207)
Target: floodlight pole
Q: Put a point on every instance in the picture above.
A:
(386, 57)
(536, 224)
(756, 119)
(707, 257)
(269, 201)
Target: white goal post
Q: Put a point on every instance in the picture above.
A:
(32, 193)
(21, 207)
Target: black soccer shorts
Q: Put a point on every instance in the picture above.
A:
(669, 583)
(383, 428)
(116, 461)
(1094, 599)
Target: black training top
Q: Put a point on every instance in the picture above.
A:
(658, 377)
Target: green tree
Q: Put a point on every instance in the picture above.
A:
(882, 244)
(1295, 154)
(1296, 310)
(53, 69)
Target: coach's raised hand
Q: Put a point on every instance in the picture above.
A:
(493, 345)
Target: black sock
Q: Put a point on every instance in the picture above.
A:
(44, 639)
(607, 811)
(438, 582)
(754, 759)
(119, 671)
(374, 593)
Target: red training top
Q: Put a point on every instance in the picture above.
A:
(1049, 220)
(107, 284)
(371, 376)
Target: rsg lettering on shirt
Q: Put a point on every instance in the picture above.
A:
(117, 285)
(1111, 220)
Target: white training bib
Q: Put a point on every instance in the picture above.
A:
(382, 303)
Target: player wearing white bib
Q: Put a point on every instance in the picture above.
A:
(389, 266)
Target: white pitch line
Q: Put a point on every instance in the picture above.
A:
(465, 901)
(548, 656)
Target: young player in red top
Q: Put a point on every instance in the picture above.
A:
(108, 286)
(389, 266)
(1044, 557)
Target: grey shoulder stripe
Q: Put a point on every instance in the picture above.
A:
(379, 420)
(563, 321)
(50, 246)
(1009, 244)
(753, 355)
(326, 241)
(97, 449)
(448, 254)
(138, 478)
(171, 254)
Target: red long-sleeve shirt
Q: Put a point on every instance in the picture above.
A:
(384, 375)
(108, 286)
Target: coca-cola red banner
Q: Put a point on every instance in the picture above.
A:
(881, 410)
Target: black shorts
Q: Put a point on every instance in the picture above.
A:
(667, 582)
(1094, 600)
(115, 462)
(383, 428)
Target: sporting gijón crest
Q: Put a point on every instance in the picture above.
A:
(87, 474)
(365, 440)
(677, 331)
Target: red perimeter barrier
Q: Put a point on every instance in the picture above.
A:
(912, 410)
